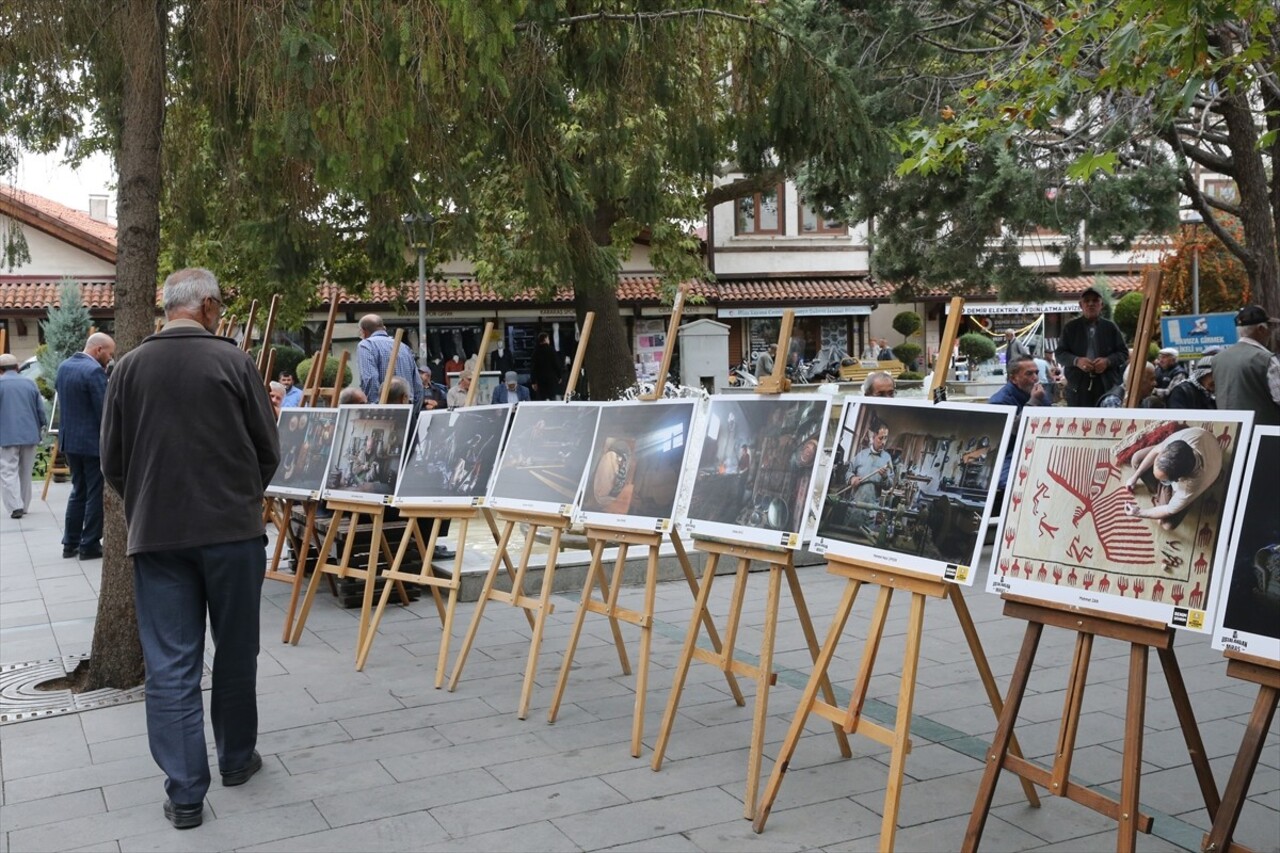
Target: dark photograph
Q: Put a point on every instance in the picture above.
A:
(453, 456)
(366, 457)
(1250, 613)
(545, 457)
(635, 466)
(911, 484)
(306, 438)
(755, 468)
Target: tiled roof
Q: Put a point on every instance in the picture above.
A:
(467, 291)
(72, 226)
(801, 290)
(41, 292)
(1066, 286)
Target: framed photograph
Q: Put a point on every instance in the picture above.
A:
(633, 475)
(545, 457)
(754, 465)
(912, 484)
(367, 453)
(1124, 511)
(306, 442)
(453, 457)
(1248, 611)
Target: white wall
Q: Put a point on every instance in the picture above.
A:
(51, 256)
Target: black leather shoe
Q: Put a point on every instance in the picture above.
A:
(68, 553)
(184, 817)
(233, 778)
(443, 553)
(93, 553)
(17, 513)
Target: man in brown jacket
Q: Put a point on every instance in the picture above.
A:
(189, 442)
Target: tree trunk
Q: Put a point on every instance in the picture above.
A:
(1257, 217)
(608, 361)
(116, 656)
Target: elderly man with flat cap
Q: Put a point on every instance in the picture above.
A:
(1091, 351)
(1169, 371)
(1246, 374)
(510, 391)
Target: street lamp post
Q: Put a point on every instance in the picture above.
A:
(414, 223)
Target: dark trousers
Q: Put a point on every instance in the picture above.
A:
(82, 527)
(173, 591)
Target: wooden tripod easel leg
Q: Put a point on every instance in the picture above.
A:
(686, 659)
(646, 642)
(1233, 796)
(761, 714)
(501, 540)
(811, 638)
(1131, 774)
(807, 699)
(1003, 737)
(485, 592)
(329, 538)
(451, 605)
(371, 574)
(956, 594)
(593, 571)
(540, 622)
(411, 534)
(301, 551)
(713, 635)
(902, 726)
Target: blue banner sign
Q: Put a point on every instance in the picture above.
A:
(1193, 334)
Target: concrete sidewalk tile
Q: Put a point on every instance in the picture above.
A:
(1169, 749)
(1057, 819)
(219, 833)
(487, 728)
(358, 751)
(37, 748)
(674, 843)
(640, 782)
(120, 748)
(452, 709)
(945, 835)
(527, 806)
(416, 831)
(541, 836)
(114, 721)
(297, 736)
(565, 764)
(948, 796)
(485, 753)
(1107, 841)
(608, 827)
(822, 824)
(1258, 827)
(400, 798)
(83, 778)
(101, 847)
(89, 829)
(50, 809)
(287, 789)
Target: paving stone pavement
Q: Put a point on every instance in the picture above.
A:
(380, 760)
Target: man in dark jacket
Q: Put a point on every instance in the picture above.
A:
(1092, 351)
(1023, 388)
(82, 387)
(546, 369)
(511, 391)
(189, 442)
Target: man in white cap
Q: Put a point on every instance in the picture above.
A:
(22, 425)
(1169, 371)
(511, 391)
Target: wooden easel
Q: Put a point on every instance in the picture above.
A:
(600, 536)
(354, 511)
(1142, 636)
(1266, 674)
(415, 517)
(537, 609)
(921, 588)
(1148, 315)
(781, 563)
(53, 469)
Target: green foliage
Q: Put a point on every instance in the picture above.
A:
(907, 323)
(65, 330)
(907, 353)
(40, 467)
(330, 372)
(1153, 350)
(1102, 284)
(910, 376)
(976, 347)
(1126, 313)
(287, 358)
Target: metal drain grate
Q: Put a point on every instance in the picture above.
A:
(21, 701)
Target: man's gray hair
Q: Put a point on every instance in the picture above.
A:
(875, 376)
(1017, 363)
(186, 289)
(277, 386)
(1252, 330)
(398, 391)
(352, 395)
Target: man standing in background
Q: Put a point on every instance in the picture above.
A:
(1246, 374)
(22, 425)
(373, 354)
(292, 393)
(189, 442)
(1092, 351)
(82, 387)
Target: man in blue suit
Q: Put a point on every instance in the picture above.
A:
(82, 386)
(510, 392)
